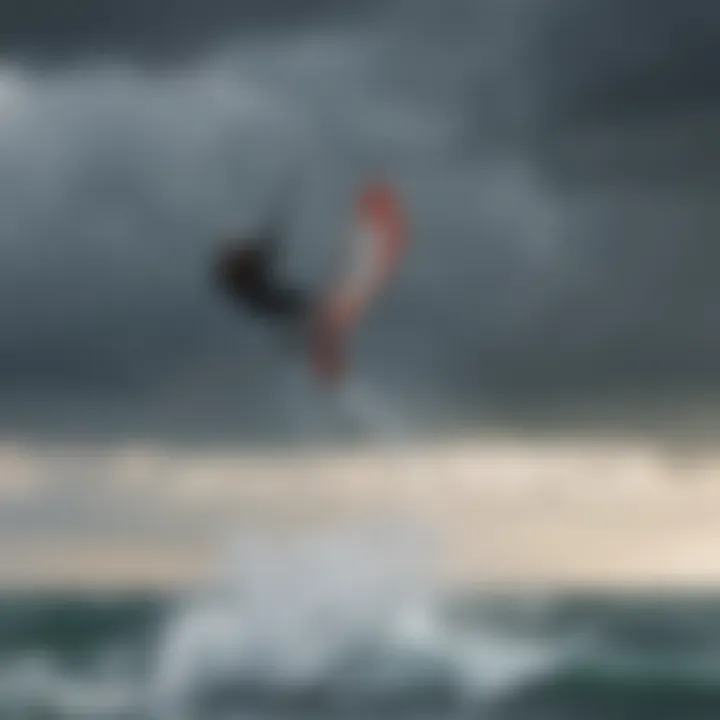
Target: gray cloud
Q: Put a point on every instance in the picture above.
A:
(630, 60)
(165, 31)
(558, 159)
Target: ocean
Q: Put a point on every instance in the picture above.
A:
(510, 657)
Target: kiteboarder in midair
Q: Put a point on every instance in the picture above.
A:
(246, 269)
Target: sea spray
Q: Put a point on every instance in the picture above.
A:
(346, 618)
(355, 408)
(374, 413)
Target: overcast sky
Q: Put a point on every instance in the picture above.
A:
(559, 159)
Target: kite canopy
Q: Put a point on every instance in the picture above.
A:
(377, 244)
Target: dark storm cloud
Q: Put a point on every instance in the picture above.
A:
(629, 125)
(38, 30)
(623, 60)
(550, 251)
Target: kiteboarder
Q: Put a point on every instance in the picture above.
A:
(247, 272)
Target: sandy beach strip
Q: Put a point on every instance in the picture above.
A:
(505, 513)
